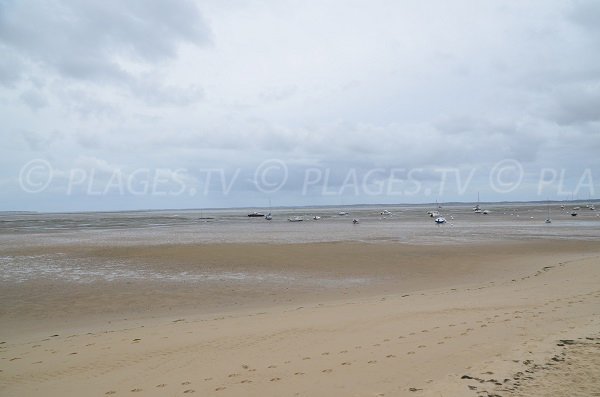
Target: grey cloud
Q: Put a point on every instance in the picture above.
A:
(154, 93)
(40, 140)
(82, 39)
(276, 94)
(577, 104)
(10, 67)
(34, 99)
(586, 13)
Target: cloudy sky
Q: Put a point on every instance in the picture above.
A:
(186, 104)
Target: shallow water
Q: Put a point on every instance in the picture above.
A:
(406, 224)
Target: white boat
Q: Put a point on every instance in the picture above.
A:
(477, 208)
(385, 212)
(342, 213)
(296, 219)
(316, 217)
(548, 220)
(269, 216)
(355, 221)
(485, 212)
(440, 220)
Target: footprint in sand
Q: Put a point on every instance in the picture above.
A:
(372, 362)
(410, 353)
(272, 366)
(162, 385)
(412, 333)
(275, 379)
(305, 358)
(299, 373)
(386, 340)
(220, 388)
(344, 352)
(136, 390)
(421, 346)
(346, 363)
(325, 353)
(441, 342)
(424, 330)
(232, 375)
(110, 392)
(189, 391)
(376, 345)
(390, 356)
(246, 381)
(327, 371)
(186, 383)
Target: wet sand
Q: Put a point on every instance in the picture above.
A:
(316, 319)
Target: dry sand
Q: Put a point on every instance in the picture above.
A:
(458, 320)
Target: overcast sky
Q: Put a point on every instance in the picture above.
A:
(190, 104)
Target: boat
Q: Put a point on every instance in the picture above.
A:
(485, 212)
(342, 213)
(548, 220)
(440, 220)
(296, 219)
(204, 218)
(269, 216)
(256, 215)
(355, 221)
(385, 212)
(316, 217)
(477, 208)
(574, 213)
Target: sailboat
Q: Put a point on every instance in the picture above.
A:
(477, 208)
(439, 219)
(269, 216)
(548, 220)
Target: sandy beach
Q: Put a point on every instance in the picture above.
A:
(319, 319)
